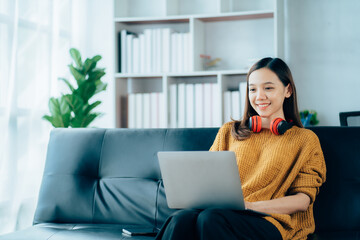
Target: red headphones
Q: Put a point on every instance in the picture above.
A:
(278, 126)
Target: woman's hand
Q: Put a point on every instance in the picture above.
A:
(248, 205)
(285, 205)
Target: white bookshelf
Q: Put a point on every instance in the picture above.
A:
(238, 32)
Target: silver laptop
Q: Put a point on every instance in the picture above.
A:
(201, 179)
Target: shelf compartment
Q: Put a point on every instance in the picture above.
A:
(238, 43)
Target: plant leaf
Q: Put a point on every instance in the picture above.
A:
(86, 90)
(96, 74)
(83, 120)
(96, 58)
(89, 118)
(74, 102)
(78, 75)
(100, 86)
(91, 107)
(75, 54)
(76, 121)
(68, 84)
(50, 119)
(89, 65)
(60, 112)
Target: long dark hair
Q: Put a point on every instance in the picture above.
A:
(240, 129)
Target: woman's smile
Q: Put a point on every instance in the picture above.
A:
(263, 106)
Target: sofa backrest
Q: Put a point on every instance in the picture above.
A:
(337, 207)
(110, 175)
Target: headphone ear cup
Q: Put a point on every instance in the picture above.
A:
(279, 126)
(255, 124)
(274, 125)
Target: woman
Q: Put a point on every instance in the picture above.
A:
(281, 166)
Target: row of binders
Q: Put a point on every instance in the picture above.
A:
(234, 103)
(146, 110)
(154, 51)
(195, 105)
(232, 106)
(190, 105)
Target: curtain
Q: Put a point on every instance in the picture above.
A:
(35, 38)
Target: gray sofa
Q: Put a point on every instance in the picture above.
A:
(97, 181)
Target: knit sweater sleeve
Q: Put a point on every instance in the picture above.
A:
(313, 173)
(220, 143)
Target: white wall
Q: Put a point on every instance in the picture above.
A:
(322, 48)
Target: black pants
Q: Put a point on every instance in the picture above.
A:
(208, 224)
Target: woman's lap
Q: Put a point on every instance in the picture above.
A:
(216, 224)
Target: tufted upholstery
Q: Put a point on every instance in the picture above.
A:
(97, 181)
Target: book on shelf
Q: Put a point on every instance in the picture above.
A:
(139, 104)
(227, 106)
(232, 105)
(243, 90)
(148, 50)
(142, 53)
(216, 106)
(136, 55)
(129, 53)
(154, 99)
(174, 46)
(235, 104)
(181, 105)
(124, 111)
(131, 111)
(123, 50)
(147, 110)
(208, 104)
(199, 105)
(162, 111)
(180, 52)
(158, 50)
(166, 53)
(190, 106)
(119, 53)
(173, 105)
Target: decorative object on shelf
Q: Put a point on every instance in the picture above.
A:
(209, 62)
(74, 109)
(308, 118)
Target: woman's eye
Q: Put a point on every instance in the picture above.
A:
(269, 88)
(251, 89)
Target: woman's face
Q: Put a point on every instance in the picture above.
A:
(267, 93)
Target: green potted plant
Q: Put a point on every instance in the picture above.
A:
(309, 118)
(74, 109)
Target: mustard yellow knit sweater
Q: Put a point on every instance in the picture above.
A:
(272, 166)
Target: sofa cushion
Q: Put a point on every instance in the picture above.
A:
(110, 176)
